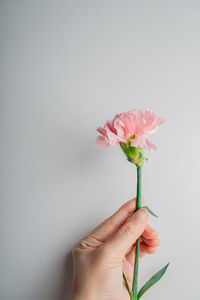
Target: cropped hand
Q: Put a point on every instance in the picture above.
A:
(101, 257)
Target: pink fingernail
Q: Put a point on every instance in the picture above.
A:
(141, 216)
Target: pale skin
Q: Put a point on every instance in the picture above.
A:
(101, 257)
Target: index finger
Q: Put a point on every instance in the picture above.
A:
(107, 228)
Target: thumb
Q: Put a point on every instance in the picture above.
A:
(127, 235)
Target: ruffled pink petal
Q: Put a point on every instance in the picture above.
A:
(150, 144)
(120, 131)
(135, 122)
(112, 138)
(128, 124)
(124, 126)
(101, 130)
(143, 142)
(101, 142)
(160, 121)
(151, 122)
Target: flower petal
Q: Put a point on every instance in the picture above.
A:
(101, 142)
(135, 122)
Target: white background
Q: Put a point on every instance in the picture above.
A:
(66, 67)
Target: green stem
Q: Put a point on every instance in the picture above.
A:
(137, 254)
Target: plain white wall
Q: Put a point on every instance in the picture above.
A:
(66, 67)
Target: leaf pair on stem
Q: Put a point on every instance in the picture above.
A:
(155, 278)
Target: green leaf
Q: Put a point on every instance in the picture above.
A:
(155, 278)
(150, 211)
(127, 285)
(132, 297)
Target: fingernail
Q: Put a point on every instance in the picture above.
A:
(141, 216)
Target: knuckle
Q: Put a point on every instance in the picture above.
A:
(76, 252)
(126, 229)
(86, 243)
(109, 223)
(80, 248)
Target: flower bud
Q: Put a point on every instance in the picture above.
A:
(133, 154)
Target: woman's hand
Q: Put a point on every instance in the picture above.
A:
(101, 257)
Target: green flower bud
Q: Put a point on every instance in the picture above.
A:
(133, 154)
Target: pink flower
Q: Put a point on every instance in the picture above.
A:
(135, 126)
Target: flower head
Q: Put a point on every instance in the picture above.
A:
(131, 130)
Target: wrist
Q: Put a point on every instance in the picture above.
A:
(82, 292)
(83, 295)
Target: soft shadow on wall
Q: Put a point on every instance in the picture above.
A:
(66, 290)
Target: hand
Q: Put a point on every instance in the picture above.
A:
(101, 257)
